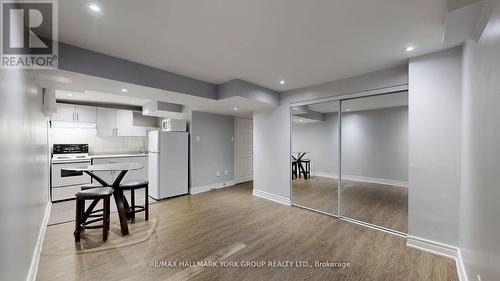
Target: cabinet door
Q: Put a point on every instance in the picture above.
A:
(86, 114)
(124, 121)
(141, 174)
(107, 176)
(106, 121)
(65, 112)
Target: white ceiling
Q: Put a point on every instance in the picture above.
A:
(94, 89)
(260, 41)
(361, 104)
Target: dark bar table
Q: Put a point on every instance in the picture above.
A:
(120, 200)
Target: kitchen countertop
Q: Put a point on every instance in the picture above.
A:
(118, 155)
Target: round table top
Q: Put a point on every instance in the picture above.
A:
(105, 167)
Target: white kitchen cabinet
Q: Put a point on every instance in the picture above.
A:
(124, 122)
(74, 113)
(65, 112)
(107, 176)
(106, 121)
(141, 174)
(110, 176)
(86, 114)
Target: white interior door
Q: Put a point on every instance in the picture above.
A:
(244, 150)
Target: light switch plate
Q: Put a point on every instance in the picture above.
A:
(197, 138)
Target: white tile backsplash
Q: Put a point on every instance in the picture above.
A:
(98, 144)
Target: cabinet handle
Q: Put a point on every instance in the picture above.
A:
(116, 131)
(77, 117)
(74, 119)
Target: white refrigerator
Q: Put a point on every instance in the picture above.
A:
(168, 164)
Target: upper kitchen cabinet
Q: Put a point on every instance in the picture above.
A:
(106, 121)
(75, 113)
(86, 114)
(65, 112)
(124, 122)
(120, 122)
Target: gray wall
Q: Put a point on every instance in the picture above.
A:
(272, 126)
(215, 150)
(374, 144)
(435, 133)
(84, 61)
(240, 88)
(23, 171)
(479, 208)
(321, 140)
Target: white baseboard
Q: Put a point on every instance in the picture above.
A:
(325, 175)
(361, 178)
(272, 197)
(200, 189)
(376, 180)
(39, 243)
(440, 249)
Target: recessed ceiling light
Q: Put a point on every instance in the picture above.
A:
(69, 95)
(133, 101)
(282, 82)
(124, 90)
(94, 8)
(410, 48)
(301, 120)
(348, 109)
(235, 108)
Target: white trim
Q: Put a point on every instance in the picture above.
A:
(462, 273)
(325, 175)
(361, 178)
(200, 189)
(272, 197)
(375, 180)
(440, 249)
(355, 94)
(39, 243)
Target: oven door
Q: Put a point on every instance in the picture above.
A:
(62, 177)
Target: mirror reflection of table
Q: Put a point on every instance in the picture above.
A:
(297, 157)
(120, 200)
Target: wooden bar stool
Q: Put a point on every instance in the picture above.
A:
(307, 170)
(133, 185)
(85, 219)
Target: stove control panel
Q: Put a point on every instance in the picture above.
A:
(70, 148)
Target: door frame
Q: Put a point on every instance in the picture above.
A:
(340, 98)
(236, 152)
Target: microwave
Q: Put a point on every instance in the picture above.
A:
(173, 125)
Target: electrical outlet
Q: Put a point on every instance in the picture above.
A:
(225, 172)
(218, 173)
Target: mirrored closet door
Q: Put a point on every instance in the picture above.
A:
(314, 160)
(374, 160)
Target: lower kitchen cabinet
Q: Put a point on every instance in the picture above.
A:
(109, 177)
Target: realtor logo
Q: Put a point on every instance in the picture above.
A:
(29, 35)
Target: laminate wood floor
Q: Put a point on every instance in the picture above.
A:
(231, 225)
(379, 204)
